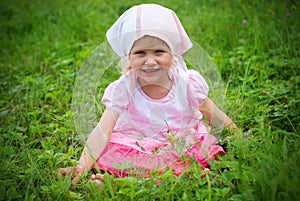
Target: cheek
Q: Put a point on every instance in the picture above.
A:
(135, 62)
(166, 61)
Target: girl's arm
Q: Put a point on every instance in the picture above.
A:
(97, 140)
(96, 143)
(216, 117)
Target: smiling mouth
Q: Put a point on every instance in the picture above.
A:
(150, 69)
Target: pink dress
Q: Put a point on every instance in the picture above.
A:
(153, 135)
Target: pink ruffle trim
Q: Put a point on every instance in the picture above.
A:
(123, 160)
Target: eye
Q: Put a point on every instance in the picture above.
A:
(140, 53)
(160, 51)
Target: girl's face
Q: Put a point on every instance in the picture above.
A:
(151, 58)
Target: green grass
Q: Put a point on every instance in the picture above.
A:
(43, 45)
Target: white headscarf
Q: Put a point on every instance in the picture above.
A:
(148, 19)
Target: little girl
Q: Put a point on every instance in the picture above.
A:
(154, 111)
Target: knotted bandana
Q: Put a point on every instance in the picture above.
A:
(148, 19)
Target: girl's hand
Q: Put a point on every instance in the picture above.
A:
(71, 172)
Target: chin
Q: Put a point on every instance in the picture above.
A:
(148, 81)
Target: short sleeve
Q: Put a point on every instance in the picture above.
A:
(116, 96)
(197, 88)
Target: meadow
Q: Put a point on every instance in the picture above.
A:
(255, 46)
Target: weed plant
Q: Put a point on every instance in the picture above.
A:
(255, 45)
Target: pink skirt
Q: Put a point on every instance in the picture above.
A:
(129, 156)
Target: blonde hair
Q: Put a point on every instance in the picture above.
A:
(147, 41)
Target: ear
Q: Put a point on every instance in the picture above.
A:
(174, 60)
(125, 64)
(125, 70)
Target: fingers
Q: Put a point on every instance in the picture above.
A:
(75, 174)
(60, 172)
(69, 172)
(75, 180)
(79, 170)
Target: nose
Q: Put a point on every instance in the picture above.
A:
(150, 61)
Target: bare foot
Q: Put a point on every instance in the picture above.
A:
(98, 179)
(205, 171)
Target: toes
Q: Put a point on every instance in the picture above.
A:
(99, 184)
(99, 176)
(206, 170)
